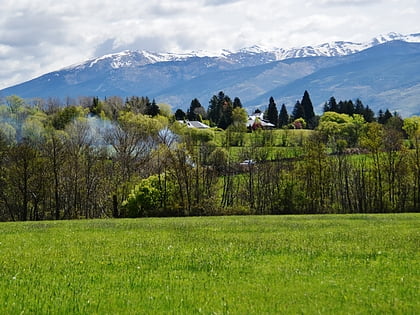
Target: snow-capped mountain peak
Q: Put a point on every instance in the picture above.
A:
(253, 73)
(253, 55)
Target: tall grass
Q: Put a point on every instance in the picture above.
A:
(240, 265)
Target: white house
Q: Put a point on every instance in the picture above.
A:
(194, 124)
(258, 119)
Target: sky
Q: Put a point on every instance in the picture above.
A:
(40, 36)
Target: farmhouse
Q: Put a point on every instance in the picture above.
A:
(256, 120)
(194, 124)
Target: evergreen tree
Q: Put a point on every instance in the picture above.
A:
(96, 107)
(298, 111)
(191, 112)
(387, 116)
(227, 109)
(368, 114)
(308, 110)
(359, 108)
(152, 109)
(346, 107)
(331, 106)
(272, 112)
(220, 110)
(237, 102)
(180, 114)
(283, 117)
(213, 111)
(381, 117)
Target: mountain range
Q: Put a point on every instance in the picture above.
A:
(383, 73)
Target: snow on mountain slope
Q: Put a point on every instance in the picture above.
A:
(250, 56)
(250, 73)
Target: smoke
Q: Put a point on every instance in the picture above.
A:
(98, 129)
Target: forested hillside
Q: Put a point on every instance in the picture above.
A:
(132, 158)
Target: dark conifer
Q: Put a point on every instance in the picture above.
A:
(308, 110)
(180, 114)
(298, 111)
(387, 116)
(283, 117)
(191, 112)
(272, 112)
(332, 105)
(220, 110)
(359, 107)
(368, 114)
(237, 102)
(152, 109)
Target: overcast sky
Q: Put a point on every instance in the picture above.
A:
(39, 36)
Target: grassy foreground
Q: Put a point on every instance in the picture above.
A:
(214, 265)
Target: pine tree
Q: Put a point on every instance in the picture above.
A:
(283, 117)
(331, 106)
(272, 112)
(152, 109)
(227, 109)
(368, 114)
(381, 117)
(387, 116)
(180, 114)
(298, 111)
(191, 112)
(237, 102)
(214, 110)
(220, 110)
(308, 110)
(359, 107)
(346, 107)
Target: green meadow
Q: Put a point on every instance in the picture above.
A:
(328, 264)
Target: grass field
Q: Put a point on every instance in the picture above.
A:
(330, 264)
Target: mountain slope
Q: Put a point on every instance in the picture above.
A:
(382, 72)
(385, 76)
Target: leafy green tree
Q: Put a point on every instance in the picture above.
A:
(337, 127)
(373, 140)
(7, 132)
(15, 103)
(66, 115)
(299, 123)
(239, 119)
(143, 199)
(165, 110)
(316, 175)
(412, 128)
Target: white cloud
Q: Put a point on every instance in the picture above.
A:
(38, 36)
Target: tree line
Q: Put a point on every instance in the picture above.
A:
(131, 158)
